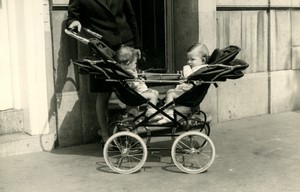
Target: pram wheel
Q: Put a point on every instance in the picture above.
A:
(193, 152)
(125, 152)
(128, 125)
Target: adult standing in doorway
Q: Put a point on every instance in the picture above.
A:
(115, 21)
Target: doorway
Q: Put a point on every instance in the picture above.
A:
(150, 17)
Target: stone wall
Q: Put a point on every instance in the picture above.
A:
(268, 36)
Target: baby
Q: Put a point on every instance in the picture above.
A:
(127, 58)
(197, 56)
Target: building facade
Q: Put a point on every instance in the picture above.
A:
(43, 96)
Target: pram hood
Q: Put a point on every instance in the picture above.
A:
(103, 62)
(222, 65)
(109, 69)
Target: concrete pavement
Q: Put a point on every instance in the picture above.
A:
(253, 154)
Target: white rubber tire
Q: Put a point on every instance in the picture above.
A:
(203, 157)
(142, 151)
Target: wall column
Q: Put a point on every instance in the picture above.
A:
(33, 67)
(207, 23)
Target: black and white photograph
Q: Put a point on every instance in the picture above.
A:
(149, 95)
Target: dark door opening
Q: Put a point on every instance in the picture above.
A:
(150, 16)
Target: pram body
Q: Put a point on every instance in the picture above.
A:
(192, 151)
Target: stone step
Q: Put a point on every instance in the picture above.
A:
(11, 121)
(22, 143)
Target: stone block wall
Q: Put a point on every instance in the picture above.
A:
(267, 32)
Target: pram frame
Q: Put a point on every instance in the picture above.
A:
(142, 121)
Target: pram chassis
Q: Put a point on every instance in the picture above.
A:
(126, 152)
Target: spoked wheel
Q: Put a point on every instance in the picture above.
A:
(128, 125)
(193, 123)
(193, 152)
(125, 152)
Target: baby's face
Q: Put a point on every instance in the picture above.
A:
(132, 65)
(194, 59)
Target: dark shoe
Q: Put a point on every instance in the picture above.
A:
(102, 143)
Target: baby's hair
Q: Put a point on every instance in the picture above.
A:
(125, 55)
(201, 50)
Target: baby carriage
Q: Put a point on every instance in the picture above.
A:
(192, 150)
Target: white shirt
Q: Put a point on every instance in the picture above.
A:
(187, 71)
(138, 86)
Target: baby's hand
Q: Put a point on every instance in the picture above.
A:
(182, 81)
(187, 87)
(187, 70)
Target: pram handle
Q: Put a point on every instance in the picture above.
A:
(228, 67)
(93, 33)
(95, 43)
(75, 35)
(160, 81)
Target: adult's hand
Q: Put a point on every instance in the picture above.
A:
(75, 25)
